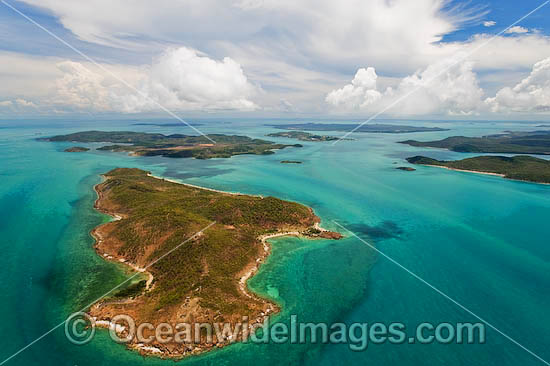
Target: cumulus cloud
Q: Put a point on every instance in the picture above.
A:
(182, 79)
(532, 94)
(179, 79)
(359, 94)
(447, 87)
(517, 30)
(296, 50)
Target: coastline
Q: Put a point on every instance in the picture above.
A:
(486, 173)
(205, 188)
(248, 272)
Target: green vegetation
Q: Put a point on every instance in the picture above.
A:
(302, 136)
(158, 216)
(535, 142)
(132, 290)
(525, 168)
(175, 145)
(76, 149)
(346, 127)
(406, 168)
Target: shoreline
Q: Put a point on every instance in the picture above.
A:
(485, 173)
(205, 188)
(251, 269)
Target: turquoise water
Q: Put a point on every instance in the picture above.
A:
(482, 240)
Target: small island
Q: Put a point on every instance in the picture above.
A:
(534, 142)
(168, 124)
(175, 145)
(303, 136)
(406, 168)
(356, 127)
(524, 168)
(291, 162)
(76, 149)
(204, 279)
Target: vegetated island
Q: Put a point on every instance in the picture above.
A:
(204, 279)
(176, 124)
(291, 162)
(534, 142)
(303, 136)
(524, 168)
(76, 149)
(406, 168)
(372, 128)
(175, 145)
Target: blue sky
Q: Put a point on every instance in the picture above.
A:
(431, 58)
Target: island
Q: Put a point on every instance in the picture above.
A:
(76, 149)
(174, 145)
(347, 127)
(534, 142)
(291, 162)
(210, 243)
(175, 124)
(406, 168)
(303, 136)
(524, 168)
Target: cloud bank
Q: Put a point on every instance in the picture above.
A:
(180, 79)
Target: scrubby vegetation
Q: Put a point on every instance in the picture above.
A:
(525, 168)
(175, 145)
(303, 136)
(346, 127)
(536, 142)
(159, 215)
(76, 149)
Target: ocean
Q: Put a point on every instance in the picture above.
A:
(483, 241)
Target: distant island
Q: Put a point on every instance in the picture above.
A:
(534, 142)
(175, 145)
(346, 127)
(291, 162)
(204, 280)
(177, 124)
(406, 168)
(525, 168)
(543, 126)
(303, 136)
(76, 149)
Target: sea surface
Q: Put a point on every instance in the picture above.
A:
(481, 240)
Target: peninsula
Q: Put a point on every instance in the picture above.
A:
(525, 168)
(303, 136)
(175, 145)
(346, 127)
(534, 142)
(213, 243)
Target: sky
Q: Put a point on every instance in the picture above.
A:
(280, 58)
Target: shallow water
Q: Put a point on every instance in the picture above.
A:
(481, 240)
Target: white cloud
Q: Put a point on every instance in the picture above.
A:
(532, 94)
(298, 51)
(182, 79)
(517, 29)
(447, 87)
(325, 32)
(489, 23)
(179, 79)
(359, 94)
